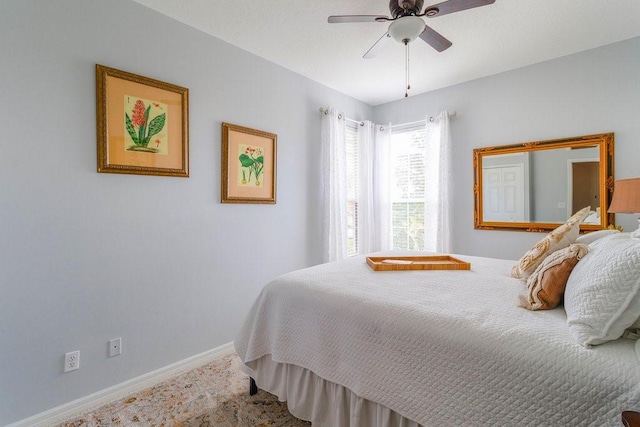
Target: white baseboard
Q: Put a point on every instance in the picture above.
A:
(67, 411)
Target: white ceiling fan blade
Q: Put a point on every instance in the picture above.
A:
(435, 39)
(452, 6)
(373, 51)
(338, 19)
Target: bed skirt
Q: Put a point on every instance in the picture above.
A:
(322, 402)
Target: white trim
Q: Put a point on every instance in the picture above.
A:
(419, 123)
(67, 411)
(408, 127)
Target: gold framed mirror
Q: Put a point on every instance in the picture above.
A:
(536, 186)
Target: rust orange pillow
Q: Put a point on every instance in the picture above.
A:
(545, 287)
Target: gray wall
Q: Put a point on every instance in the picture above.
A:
(158, 261)
(591, 92)
(550, 182)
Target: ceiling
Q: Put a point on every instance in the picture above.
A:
(487, 40)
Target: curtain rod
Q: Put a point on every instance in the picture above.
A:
(452, 115)
(324, 111)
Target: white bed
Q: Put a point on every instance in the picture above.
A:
(345, 345)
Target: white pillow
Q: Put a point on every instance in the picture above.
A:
(592, 218)
(602, 297)
(588, 238)
(579, 216)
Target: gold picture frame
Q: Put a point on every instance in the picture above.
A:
(558, 156)
(248, 165)
(142, 124)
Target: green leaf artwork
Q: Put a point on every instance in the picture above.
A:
(156, 125)
(130, 129)
(141, 130)
(251, 165)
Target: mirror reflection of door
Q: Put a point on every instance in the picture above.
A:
(503, 193)
(586, 185)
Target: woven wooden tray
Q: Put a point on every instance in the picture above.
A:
(431, 262)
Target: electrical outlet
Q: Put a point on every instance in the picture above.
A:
(115, 347)
(72, 361)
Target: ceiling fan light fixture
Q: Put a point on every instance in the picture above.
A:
(431, 12)
(406, 29)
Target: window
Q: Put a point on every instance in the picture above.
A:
(352, 188)
(408, 188)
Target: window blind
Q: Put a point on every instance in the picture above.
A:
(352, 188)
(408, 187)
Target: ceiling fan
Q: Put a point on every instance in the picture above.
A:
(407, 24)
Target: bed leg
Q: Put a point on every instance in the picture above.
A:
(253, 388)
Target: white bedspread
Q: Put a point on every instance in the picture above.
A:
(443, 348)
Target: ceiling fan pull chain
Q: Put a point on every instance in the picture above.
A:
(406, 67)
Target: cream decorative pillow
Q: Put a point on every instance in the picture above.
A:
(602, 297)
(546, 285)
(559, 238)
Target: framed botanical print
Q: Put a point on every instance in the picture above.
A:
(248, 165)
(143, 124)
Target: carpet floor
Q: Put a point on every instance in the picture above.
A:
(215, 394)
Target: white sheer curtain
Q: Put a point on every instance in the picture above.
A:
(438, 183)
(334, 186)
(374, 208)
